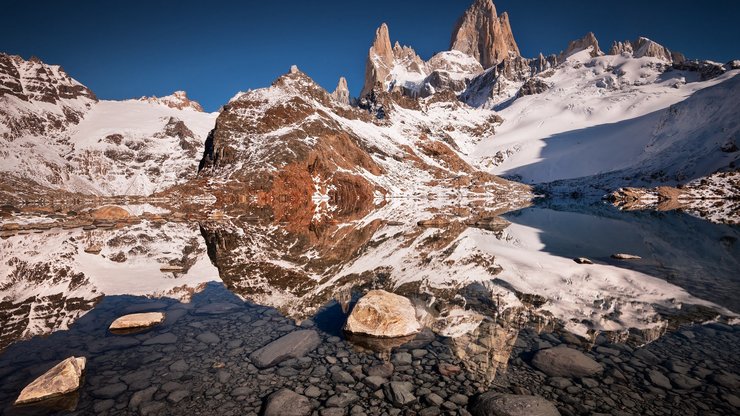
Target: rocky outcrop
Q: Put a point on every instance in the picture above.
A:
(644, 47)
(484, 35)
(379, 60)
(383, 314)
(178, 99)
(341, 93)
(61, 379)
(39, 99)
(496, 83)
(533, 86)
(589, 41)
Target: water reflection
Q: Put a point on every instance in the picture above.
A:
(487, 290)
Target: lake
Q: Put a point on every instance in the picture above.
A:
(493, 286)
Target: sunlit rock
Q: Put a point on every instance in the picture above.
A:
(137, 320)
(63, 378)
(383, 314)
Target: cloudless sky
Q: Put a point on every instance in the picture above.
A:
(213, 49)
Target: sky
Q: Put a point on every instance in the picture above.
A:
(213, 49)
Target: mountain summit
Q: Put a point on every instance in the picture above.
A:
(482, 34)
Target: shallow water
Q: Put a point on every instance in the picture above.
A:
(489, 299)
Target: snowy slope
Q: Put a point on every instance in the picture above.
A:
(118, 148)
(47, 280)
(600, 115)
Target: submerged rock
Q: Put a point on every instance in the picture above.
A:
(400, 393)
(286, 402)
(61, 379)
(293, 345)
(498, 404)
(383, 314)
(137, 320)
(563, 361)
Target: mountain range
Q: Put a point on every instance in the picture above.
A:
(582, 120)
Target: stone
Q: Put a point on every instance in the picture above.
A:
(447, 369)
(177, 396)
(402, 358)
(684, 382)
(582, 260)
(286, 402)
(140, 397)
(293, 345)
(499, 404)
(400, 393)
(625, 256)
(208, 338)
(61, 379)
(342, 400)
(563, 361)
(312, 392)
(384, 370)
(383, 314)
(374, 382)
(166, 338)
(137, 320)
(480, 33)
(658, 379)
(343, 377)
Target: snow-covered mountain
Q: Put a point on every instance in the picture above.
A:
(56, 134)
(581, 119)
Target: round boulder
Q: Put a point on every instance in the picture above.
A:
(383, 314)
(563, 361)
(499, 404)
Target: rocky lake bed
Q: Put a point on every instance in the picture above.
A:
(209, 356)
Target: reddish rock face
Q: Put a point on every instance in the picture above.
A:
(282, 146)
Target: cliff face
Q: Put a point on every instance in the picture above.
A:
(481, 33)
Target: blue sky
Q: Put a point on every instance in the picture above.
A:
(127, 49)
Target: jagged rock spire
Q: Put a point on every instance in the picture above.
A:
(341, 93)
(379, 59)
(481, 33)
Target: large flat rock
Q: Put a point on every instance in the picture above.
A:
(137, 320)
(61, 379)
(293, 345)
